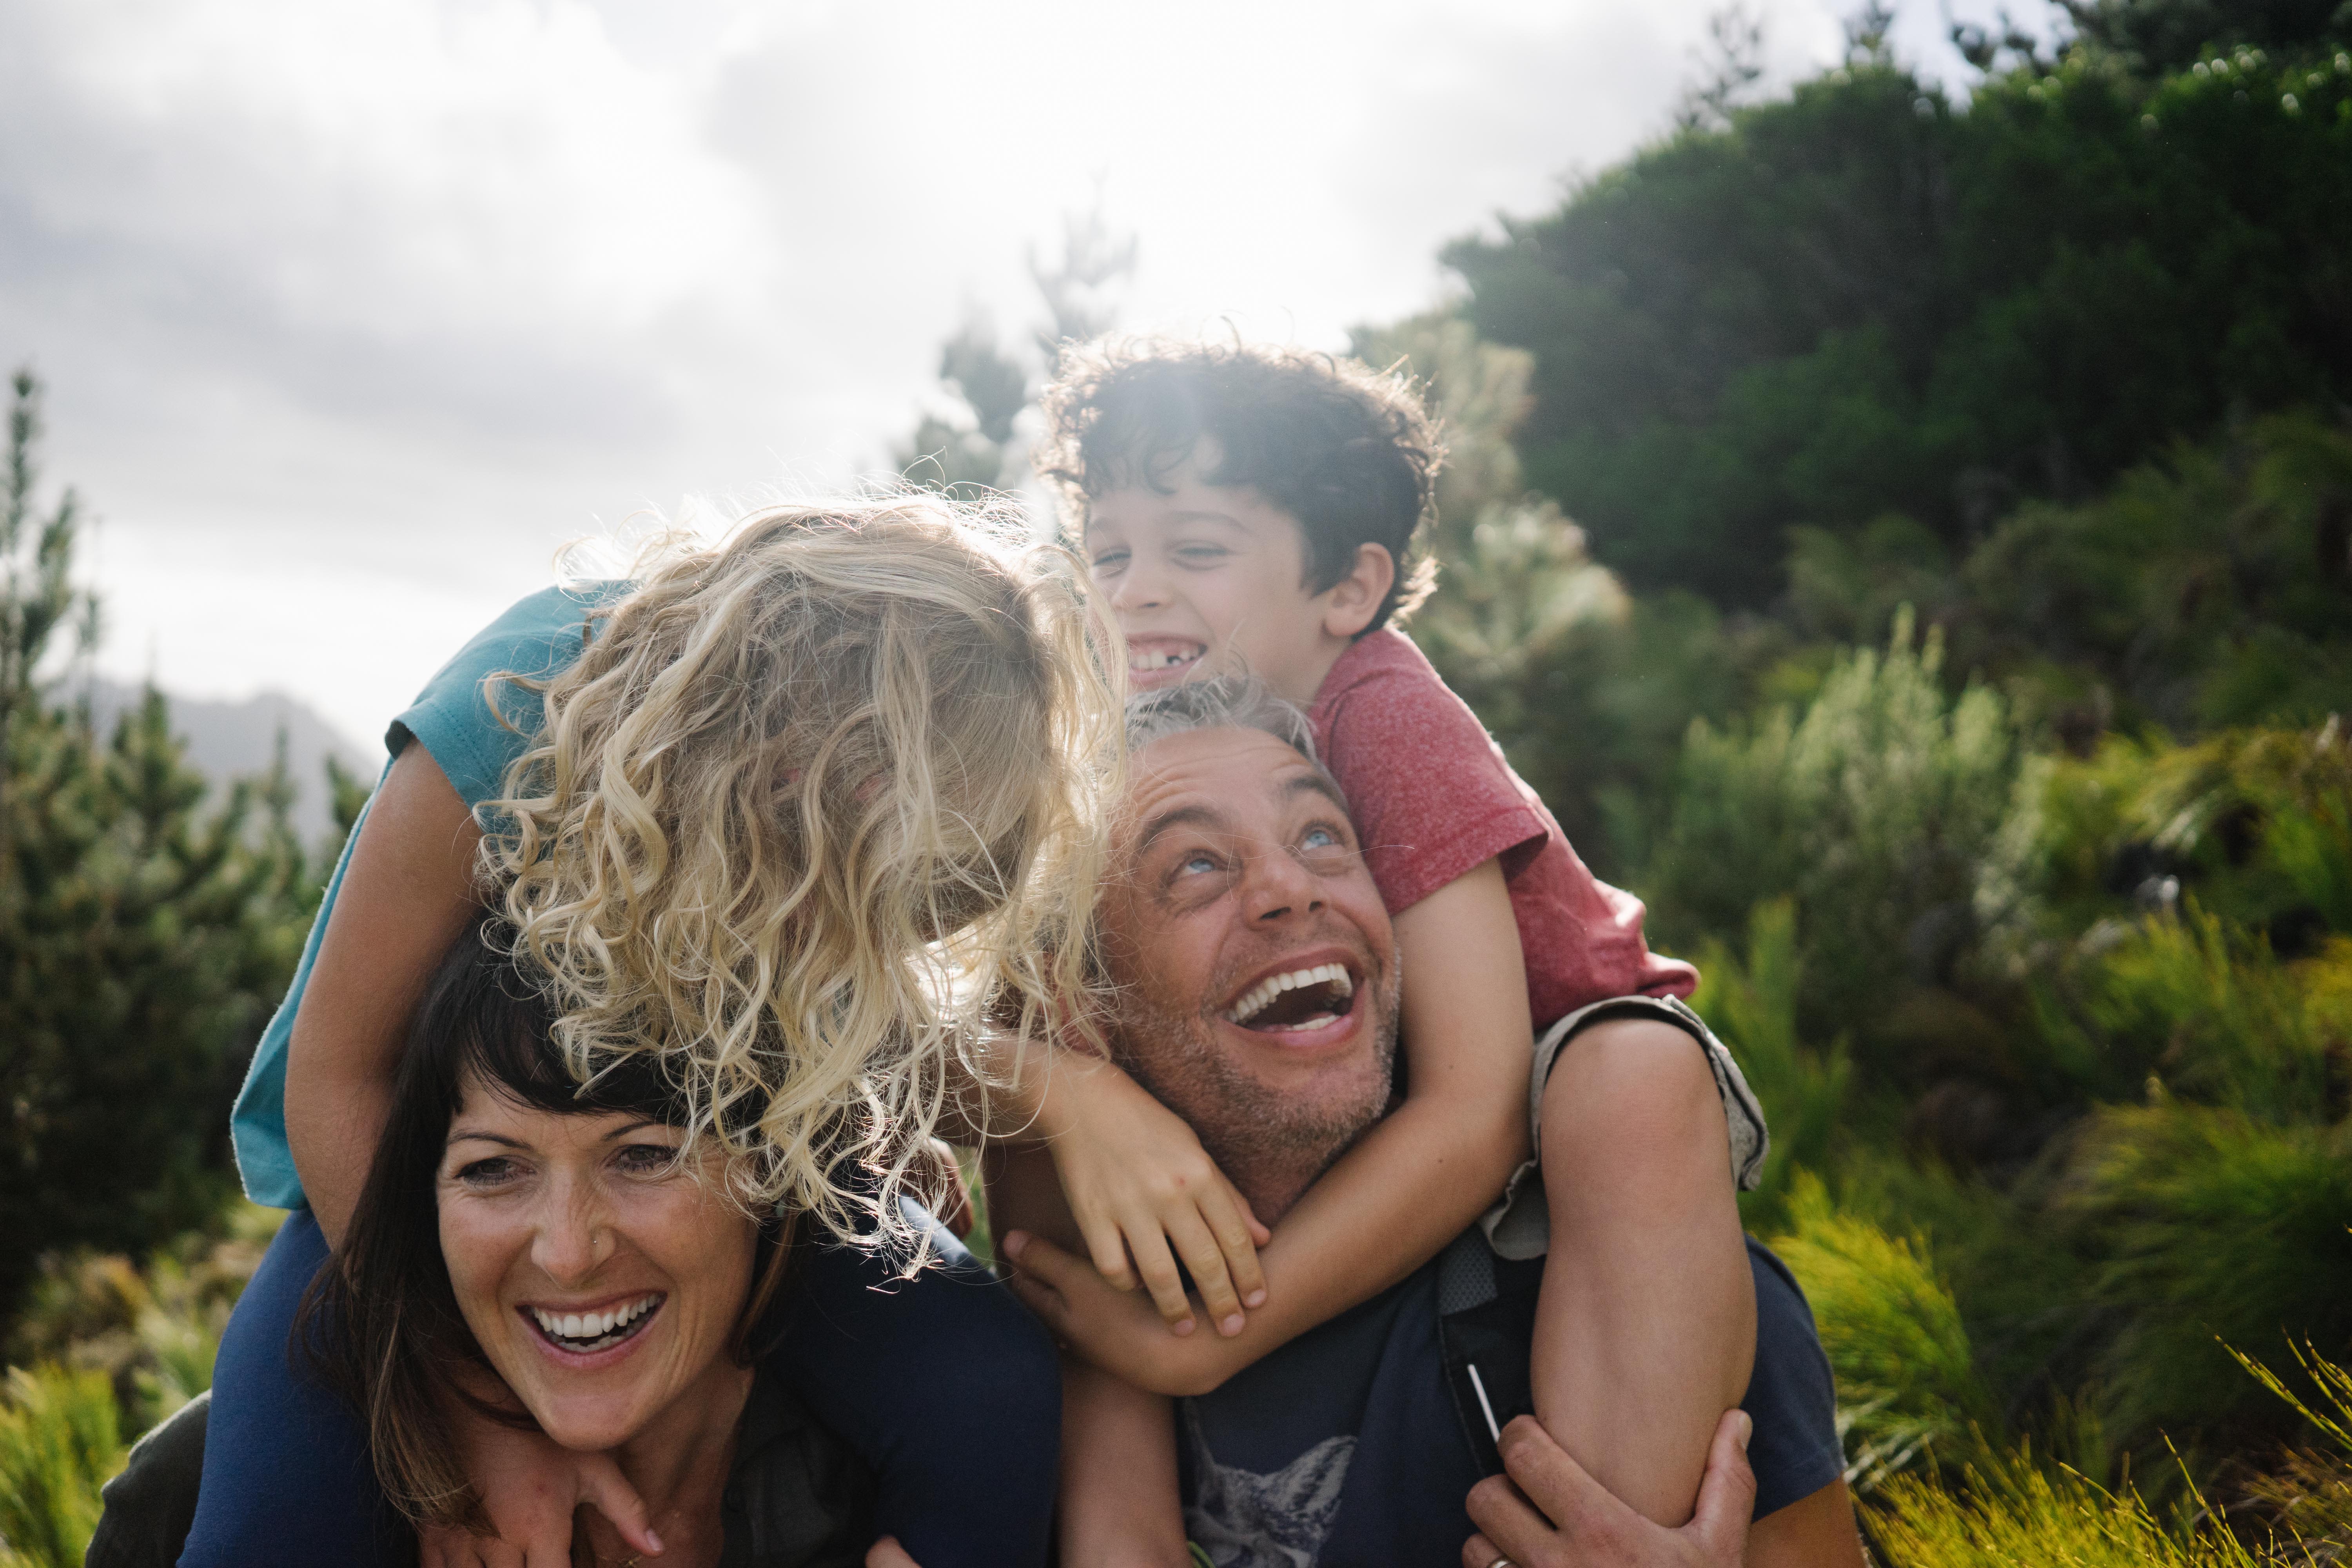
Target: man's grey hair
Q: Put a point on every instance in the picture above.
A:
(1226, 702)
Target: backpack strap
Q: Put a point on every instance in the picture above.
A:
(1487, 1324)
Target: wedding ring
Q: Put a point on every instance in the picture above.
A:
(1502, 1562)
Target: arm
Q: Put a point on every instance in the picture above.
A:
(1550, 1514)
(407, 893)
(1816, 1531)
(1642, 1343)
(1409, 1186)
(1118, 1502)
(1130, 1182)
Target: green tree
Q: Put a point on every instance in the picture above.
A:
(1586, 688)
(2167, 34)
(144, 934)
(1863, 298)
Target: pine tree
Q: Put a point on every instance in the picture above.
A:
(144, 931)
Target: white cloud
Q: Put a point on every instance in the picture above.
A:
(353, 313)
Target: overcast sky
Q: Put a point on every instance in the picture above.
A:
(351, 314)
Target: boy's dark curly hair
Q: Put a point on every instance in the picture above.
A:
(1347, 450)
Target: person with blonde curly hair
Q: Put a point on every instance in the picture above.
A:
(801, 818)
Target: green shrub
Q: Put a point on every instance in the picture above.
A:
(1906, 1378)
(2256, 823)
(2010, 1510)
(2209, 587)
(2210, 1228)
(2205, 1009)
(1872, 811)
(151, 1328)
(61, 1440)
(2014, 1507)
(2309, 1492)
(1752, 1004)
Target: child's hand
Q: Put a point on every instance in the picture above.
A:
(1119, 1333)
(1138, 1182)
(531, 1488)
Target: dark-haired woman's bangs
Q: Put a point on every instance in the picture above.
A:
(504, 1037)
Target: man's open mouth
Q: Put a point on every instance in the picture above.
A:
(583, 1333)
(1300, 1000)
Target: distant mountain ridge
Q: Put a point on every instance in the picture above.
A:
(229, 740)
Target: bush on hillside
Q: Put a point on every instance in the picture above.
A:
(1751, 1001)
(1873, 811)
(2210, 1229)
(1906, 1374)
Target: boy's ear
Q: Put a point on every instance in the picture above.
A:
(1349, 604)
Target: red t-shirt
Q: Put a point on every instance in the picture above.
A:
(1433, 798)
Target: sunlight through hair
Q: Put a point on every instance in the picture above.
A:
(817, 805)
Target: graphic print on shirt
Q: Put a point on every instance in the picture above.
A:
(1243, 1520)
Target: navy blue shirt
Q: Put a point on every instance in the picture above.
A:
(1357, 1444)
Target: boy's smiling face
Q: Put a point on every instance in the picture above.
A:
(1208, 578)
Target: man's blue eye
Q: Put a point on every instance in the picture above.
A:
(1319, 839)
(1199, 863)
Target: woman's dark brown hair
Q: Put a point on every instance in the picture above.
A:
(382, 1325)
(1347, 450)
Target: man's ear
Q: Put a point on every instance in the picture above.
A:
(1349, 604)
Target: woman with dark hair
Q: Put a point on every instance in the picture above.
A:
(557, 1258)
(540, 1250)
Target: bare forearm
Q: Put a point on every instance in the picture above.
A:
(1018, 1092)
(1120, 1507)
(1409, 1186)
(333, 1121)
(407, 893)
(1405, 1191)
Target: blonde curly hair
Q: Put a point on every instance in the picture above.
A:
(816, 809)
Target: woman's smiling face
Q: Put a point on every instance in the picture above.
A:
(602, 1277)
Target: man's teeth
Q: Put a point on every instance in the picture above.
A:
(594, 1325)
(1261, 996)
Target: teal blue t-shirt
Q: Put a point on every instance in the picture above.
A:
(474, 743)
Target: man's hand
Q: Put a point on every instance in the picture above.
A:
(1582, 1526)
(1119, 1332)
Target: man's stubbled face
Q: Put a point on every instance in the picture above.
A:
(1257, 970)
